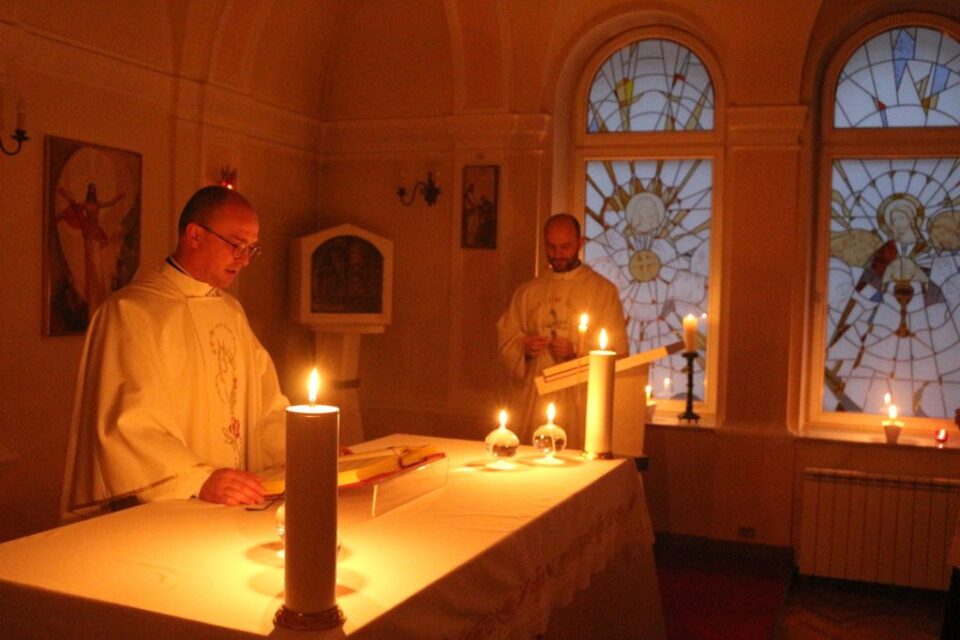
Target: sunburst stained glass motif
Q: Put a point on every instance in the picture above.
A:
(905, 77)
(893, 322)
(651, 85)
(647, 225)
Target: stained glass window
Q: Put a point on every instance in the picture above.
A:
(893, 320)
(647, 226)
(651, 85)
(904, 77)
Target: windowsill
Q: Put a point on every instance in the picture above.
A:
(909, 438)
(706, 422)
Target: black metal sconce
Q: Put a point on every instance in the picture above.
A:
(19, 133)
(429, 189)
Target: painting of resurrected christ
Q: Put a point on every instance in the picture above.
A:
(92, 229)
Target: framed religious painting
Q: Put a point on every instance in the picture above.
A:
(478, 216)
(91, 229)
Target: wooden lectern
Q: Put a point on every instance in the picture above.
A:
(629, 394)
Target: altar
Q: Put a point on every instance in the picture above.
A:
(563, 551)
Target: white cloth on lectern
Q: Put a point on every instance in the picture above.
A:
(551, 305)
(172, 385)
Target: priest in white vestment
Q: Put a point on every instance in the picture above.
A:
(176, 398)
(540, 329)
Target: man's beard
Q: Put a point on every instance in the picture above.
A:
(564, 266)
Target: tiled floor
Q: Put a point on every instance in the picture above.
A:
(820, 609)
(715, 591)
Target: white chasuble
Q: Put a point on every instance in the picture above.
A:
(172, 385)
(551, 306)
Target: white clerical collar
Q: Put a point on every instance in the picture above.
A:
(568, 275)
(190, 286)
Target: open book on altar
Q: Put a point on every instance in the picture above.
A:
(629, 396)
(367, 466)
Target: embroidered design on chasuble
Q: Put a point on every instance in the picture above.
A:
(223, 344)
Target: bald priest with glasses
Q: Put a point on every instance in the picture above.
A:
(176, 398)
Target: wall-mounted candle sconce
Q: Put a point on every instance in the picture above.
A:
(19, 133)
(429, 189)
(228, 177)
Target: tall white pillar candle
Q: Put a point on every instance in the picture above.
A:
(598, 436)
(310, 538)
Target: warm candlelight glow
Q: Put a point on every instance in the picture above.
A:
(666, 386)
(584, 319)
(892, 412)
(942, 436)
(887, 399)
(551, 412)
(313, 386)
(603, 339)
(649, 391)
(503, 418)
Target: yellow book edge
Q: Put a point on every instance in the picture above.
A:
(357, 467)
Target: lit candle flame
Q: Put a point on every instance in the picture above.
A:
(649, 390)
(887, 399)
(584, 319)
(313, 386)
(503, 418)
(892, 411)
(603, 339)
(666, 385)
(551, 412)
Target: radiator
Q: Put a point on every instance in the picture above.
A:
(878, 528)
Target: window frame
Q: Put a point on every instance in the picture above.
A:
(860, 143)
(661, 145)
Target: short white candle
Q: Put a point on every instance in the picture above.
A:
(892, 426)
(690, 333)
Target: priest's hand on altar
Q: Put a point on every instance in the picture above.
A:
(562, 349)
(533, 345)
(232, 487)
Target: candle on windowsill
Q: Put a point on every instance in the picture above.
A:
(651, 403)
(942, 436)
(892, 426)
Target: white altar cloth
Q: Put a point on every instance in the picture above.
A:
(564, 551)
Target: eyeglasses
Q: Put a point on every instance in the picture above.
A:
(240, 249)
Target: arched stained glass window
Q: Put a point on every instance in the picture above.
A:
(647, 216)
(651, 85)
(893, 324)
(904, 77)
(892, 316)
